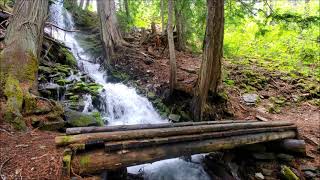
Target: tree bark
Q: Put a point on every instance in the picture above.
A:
(19, 59)
(210, 71)
(173, 68)
(126, 6)
(160, 132)
(87, 4)
(98, 160)
(163, 29)
(82, 130)
(81, 4)
(181, 44)
(111, 36)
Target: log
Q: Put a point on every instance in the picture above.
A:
(98, 160)
(162, 132)
(130, 144)
(82, 130)
(292, 145)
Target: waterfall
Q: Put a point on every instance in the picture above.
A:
(121, 104)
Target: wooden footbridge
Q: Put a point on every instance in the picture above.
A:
(93, 149)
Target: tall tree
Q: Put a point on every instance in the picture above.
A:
(173, 68)
(210, 71)
(81, 4)
(181, 42)
(162, 18)
(110, 32)
(19, 59)
(126, 6)
(87, 4)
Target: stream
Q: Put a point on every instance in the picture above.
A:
(122, 105)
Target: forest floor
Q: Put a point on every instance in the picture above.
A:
(281, 96)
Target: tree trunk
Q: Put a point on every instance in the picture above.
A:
(81, 4)
(126, 6)
(19, 59)
(173, 68)
(162, 18)
(110, 33)
(87, 4)
(161, 132)
(180, 27)
(210, 71)
(98, 160)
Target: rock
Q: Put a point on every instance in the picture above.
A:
(264, 156)
(266, 172)
(174, 117)
(79, 119)
(185, 116)
(52, 126)
(250, 99)
(287, 173)
(148, 61)
(309, 168)
(151, 95)
(259, 176)
(285, 157)
(309, 174)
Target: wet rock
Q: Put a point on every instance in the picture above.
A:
(266, 172)
(79, 119)
(310, 174)
(285, 157)
(309, 168)
(151, 95)
(250, 99)
(259, 176)
(174, 117)
(288, 174)
(264, 156)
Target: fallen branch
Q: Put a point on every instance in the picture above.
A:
(67, 30)
(2, 165)
(57, 42)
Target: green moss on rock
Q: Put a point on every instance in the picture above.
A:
(14, 94)
(79, 119)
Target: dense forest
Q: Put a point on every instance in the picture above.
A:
(160, 89)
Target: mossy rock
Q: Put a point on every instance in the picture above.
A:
(79, 119)
(69, 59)
(120, 76)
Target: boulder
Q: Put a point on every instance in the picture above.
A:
(174, 117)
(250, 99)
(79, 119)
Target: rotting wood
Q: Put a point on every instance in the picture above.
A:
(98, 160)
(82, 130)
(162, 132)
(125, 145)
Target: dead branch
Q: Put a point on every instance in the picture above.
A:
(55, 41)
(2, 165)
(67, 30)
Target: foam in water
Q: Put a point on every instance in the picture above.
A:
(122, 105)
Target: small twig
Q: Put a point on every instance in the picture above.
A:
(2, 165)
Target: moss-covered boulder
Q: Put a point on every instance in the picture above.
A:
(79, 119)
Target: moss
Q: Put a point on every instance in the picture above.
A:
(84, 161)
(14, 94)
(30, 103)
(98, 117)
(69, 58)
(67, 154)
(120, 76)
(288, 174)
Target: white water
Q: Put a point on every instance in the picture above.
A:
(122, 105)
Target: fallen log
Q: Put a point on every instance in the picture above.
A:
(291, 145)
(98, 160)
(162, 132)
(82, 130)
(120, 145)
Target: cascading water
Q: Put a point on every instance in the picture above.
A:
(121, 104)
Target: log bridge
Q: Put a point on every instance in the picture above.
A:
(94, 149)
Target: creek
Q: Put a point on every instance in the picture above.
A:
(122, 105)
